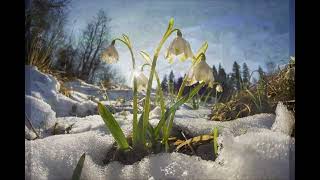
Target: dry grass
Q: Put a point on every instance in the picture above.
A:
(281, 86)
(240, 105)
(64, 90)
(39, 54)
(62, 77)
(260, 98)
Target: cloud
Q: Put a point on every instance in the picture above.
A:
(241, 30)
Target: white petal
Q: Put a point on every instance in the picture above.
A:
(110, 55)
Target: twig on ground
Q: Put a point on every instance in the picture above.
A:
(27, 118)
(188, 143)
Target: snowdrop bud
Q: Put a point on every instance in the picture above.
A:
(142, 80)
(201, 72)
(179, 47)
(219, 88)
(110, 55)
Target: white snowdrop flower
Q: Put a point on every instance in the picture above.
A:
(219, 88)
(292, 58)
(201, 72)
(110, 55)
(142, 81)
(179, 47)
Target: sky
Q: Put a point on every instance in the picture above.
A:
(251, 31)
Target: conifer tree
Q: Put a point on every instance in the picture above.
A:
(245, 75)
(215, 72)
(236, 76)
(171, 82)
(222, 76)
(178, 84)
(164, 84)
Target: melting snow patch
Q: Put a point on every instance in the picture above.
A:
(46, 88)
(83, 87)
(39, 112)
(199, 126)
(155, 113)
(257, 153)
(284, 120)
(95, 123)
(55, 157)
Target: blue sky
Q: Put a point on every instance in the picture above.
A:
(251, 31)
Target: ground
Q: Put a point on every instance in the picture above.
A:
(252, 147)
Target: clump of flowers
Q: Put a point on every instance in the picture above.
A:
(145, 136)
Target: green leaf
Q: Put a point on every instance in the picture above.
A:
(255, 101)
(202, 49)
(126, 38)
(113, 126)
(77, 171)
(135, 113)
(150, 133)
(139, 131)
(171, 111)
(215, 141)
(162, 121)
(146, 57)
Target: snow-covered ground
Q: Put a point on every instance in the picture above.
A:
(255, 147)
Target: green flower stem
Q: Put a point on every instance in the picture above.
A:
(205, 92)
(215, 142)
(162, 104)
(206, 99)
(135, 98)
(167, 130)
(153, 66)
(215, 102)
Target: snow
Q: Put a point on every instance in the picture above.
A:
(284, 121)
(253, 147)
(95, 123)
(40, 114)
(155, 113)
(86, 90)
(55, 157)
(46, 88)
(254, 153)
(195, 122)
(28, 134)
(78, 96)
(189, 113)
(258, 154)
(114, 94)
(83, 87)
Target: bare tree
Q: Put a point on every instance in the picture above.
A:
(66, 57)
(94, 39)
(44, 21)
